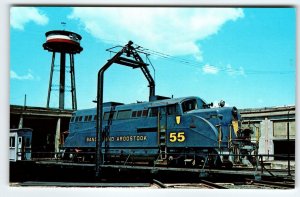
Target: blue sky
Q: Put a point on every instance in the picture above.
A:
(245, 56)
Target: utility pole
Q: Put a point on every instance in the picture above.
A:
(288, 141)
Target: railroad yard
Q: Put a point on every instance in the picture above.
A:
(162, 143)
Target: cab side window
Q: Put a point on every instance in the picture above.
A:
(153, 112)
(172, 110)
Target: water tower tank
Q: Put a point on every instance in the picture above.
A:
(62, 41)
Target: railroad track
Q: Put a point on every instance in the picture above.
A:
(75, 184)
(201, 185)
(247, 184)
(269, 184)
(212, 185)
(160, 184)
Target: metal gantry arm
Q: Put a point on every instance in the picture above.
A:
(146, 72)
(137, 63)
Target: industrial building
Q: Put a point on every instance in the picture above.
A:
(277, 129)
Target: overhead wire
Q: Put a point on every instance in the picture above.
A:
(218, 68)
(194, 64)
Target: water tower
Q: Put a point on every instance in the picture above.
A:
(63, 42)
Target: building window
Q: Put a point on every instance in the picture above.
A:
(27, 142)
(12, 143)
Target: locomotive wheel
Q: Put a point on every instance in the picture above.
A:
(217, 162)
(214, 160)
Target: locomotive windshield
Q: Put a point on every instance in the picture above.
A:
(193, 104)
(189, 105)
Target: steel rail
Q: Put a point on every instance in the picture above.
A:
(160, 184)
(77, 184)
(268, 183)
(212, 185)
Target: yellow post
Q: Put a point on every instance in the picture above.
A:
(257, 134)
(229, 144)
(235, 125)
(158, 127)
(220, 136)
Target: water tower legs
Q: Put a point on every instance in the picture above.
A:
(50, 80)
(62, 78)
(73, 86)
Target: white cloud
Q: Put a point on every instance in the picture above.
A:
(19, 16)
(209, 69)
(174, 31)
(233, 72)
(229, 69)
(28, 76)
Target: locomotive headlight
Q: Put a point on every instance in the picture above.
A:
(221, 103)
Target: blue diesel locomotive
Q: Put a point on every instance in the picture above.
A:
(181, 131)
